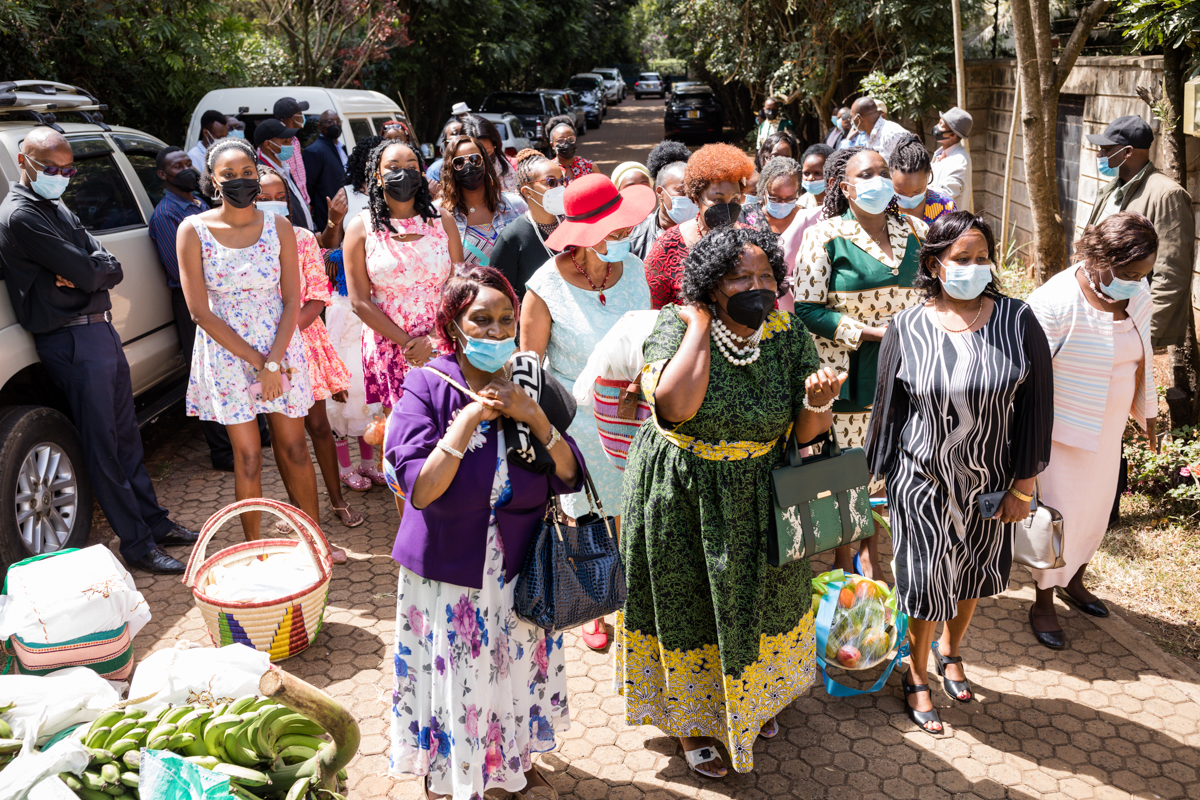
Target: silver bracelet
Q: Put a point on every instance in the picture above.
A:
(555, 438)
(819, 409)
(448, 450)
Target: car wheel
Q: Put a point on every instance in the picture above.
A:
(45, 493)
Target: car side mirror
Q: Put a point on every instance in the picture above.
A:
(427, 151)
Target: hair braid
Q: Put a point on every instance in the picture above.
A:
(529, 160)
(835, 172)
(381, 215)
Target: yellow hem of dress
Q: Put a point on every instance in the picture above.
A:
(684, 692)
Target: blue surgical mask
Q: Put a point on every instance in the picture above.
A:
(279, 207)
(814, 187)
(1118, 290)
(1105, 170)
(966, 281)
(834, 120)
(237, 133)
(285, 152)
(616, 251)
(488, 355)
(874, 194)
(779, 210)
(910, 201)
(682, 209)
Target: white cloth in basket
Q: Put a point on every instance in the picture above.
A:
(272, 578)
(618, 356)
(188, 674)
(71, 595)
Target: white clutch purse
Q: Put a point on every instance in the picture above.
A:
(1038, 539)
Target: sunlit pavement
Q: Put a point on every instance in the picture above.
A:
(1110, 717)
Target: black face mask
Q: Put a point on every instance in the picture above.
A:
(187, 179)
(722, 215)
(770, 113)
(566, 150)
(402, 184)
(240, 192)
(751, 307)
(940, 133)
(469, 177)
(333, 131)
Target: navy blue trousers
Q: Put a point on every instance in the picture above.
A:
(88, 364)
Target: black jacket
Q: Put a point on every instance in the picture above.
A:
(323, 167)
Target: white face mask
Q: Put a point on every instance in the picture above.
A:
(279, 207)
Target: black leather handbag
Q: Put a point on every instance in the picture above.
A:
(571, 575)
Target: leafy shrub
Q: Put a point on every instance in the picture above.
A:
(1173, 472)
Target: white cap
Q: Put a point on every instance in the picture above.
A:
(459, 109)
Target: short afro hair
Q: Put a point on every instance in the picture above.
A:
(819, 149)
(209, 118)
(160, 160)
(666, 152)
(717, 254)
(714, 163)
(557, 122)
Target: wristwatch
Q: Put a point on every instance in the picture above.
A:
(271, 366)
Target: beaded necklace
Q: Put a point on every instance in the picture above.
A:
(603, 283)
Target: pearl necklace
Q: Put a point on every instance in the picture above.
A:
(736, 350)
(1096, 290)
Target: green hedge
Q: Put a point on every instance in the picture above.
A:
(667, 66)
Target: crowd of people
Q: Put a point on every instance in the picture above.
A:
(842, 286)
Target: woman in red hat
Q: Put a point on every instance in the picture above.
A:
(573, 301)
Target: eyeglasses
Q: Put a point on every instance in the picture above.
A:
(565, 141)
(552, 183)
(394, 127)
(461, 162)
(66, 172)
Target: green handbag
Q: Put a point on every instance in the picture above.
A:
(821, 502)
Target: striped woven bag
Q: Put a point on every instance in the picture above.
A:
(620, 409)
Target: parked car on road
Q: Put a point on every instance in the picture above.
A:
(534, 109)
(649, 83)
(574, 108)
(693, 110)
(590, 89)
(45, 492)
(363, 112)
(512, 132)
(613, 81)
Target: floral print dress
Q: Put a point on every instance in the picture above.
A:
(406, 283)
(326, 369)
(243, 290)
(477, 691)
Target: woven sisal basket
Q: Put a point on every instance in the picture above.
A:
(282, 627)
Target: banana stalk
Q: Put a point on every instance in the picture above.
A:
(306, 699)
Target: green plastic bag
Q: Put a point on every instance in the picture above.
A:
(167, 776)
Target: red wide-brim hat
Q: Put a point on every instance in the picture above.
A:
(595, 209)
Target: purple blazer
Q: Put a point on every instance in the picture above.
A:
(445, 541)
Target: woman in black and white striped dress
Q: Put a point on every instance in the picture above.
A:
(964, 405)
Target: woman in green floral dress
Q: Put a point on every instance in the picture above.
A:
(713, 642)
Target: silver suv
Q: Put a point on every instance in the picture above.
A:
(45, 494)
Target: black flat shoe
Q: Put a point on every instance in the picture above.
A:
(1055, 640)
(922, 719)
(1096, 609)
(956, 689)
(158, 562)
(178, 535)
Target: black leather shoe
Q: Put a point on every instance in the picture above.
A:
(1096, 609)
(158, 562)
(177, 536)
(1055, 640)
(955, 689)
(922, 719)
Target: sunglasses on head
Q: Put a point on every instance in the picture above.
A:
(66, 172)
(461, 162)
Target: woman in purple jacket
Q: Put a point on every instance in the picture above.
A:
(477, 691)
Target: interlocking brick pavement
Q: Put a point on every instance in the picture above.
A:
(1110, 717)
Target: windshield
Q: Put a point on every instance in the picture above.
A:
(583, 84)
(648, 76)
(516, 102)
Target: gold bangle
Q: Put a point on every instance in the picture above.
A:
(1024, 498)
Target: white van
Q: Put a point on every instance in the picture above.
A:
(363, 112)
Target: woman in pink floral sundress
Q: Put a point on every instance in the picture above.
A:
(398, 253)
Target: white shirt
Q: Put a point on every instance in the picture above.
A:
(356, 203)
(883, 138)
(198, 154)
(952, 175)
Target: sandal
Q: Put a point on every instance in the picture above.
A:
(354, 481)
(922, 719)
(597, 637)
(372, 474)
(955, 689)
(350, 518)
(283, 527)
(770, 729)
(543, 791)
(704, 755)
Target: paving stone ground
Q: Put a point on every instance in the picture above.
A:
(1110, 717)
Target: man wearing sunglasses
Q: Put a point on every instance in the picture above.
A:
(58, 277)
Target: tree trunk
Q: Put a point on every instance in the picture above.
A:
(1183, 398)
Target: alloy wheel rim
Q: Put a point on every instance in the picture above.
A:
(47, 499)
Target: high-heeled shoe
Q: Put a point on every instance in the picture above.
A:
(955, 689)
(922, 719)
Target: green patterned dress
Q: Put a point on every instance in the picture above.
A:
(713, 641)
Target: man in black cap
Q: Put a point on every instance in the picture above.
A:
(1136, 185)
(275, 148)
(290, 112)
(58, 277)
